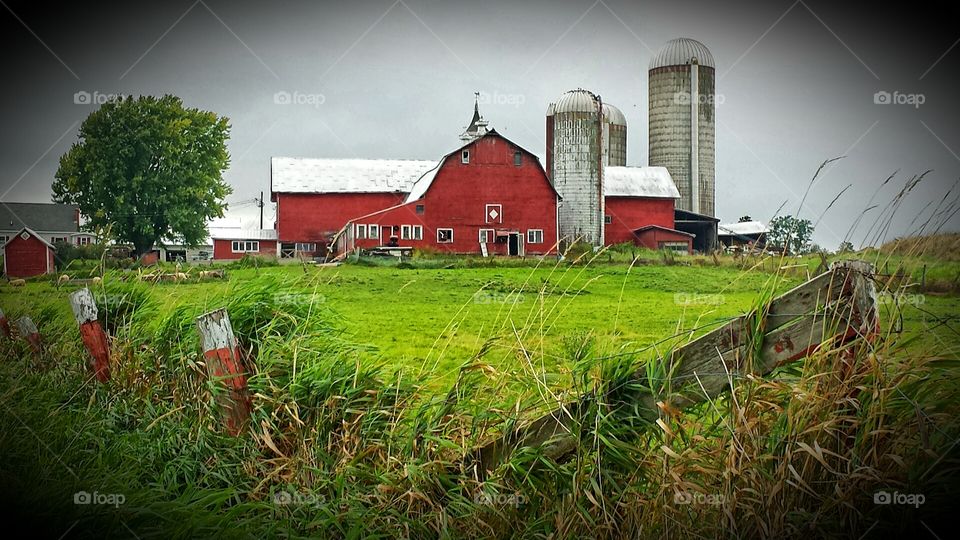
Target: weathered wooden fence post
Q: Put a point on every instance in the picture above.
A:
(5, 325)
(224, 366)
(94, 338)
(29, 332)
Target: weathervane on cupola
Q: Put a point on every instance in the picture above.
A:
(478, 126)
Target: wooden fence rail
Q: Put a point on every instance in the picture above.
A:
(836, 306)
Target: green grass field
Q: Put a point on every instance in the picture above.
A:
(373, 380)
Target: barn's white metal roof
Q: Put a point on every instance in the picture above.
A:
(680, 52)
(305, 175)
(742, 229)
(423, 184)
(236, 233)
(639, 182)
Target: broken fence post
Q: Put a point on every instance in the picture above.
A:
(222, 356)
(94, 338)
(5, 325)
(29, 332)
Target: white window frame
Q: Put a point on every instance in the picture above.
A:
(83, 241)
(487, 236)
(439, 241)
(373, 231)
(245, 246)
(465, 157)
(361, 230)
(53, 239)
(417, 232)
(304, 247)
(486, 213)
(534, 236)
(406, 232)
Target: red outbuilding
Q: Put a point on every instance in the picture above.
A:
(490, 196)
(639, 208)
(27, 254)
(230, 243)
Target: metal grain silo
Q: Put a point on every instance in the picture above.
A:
(615, 136)
(575, 159)
(682, 121)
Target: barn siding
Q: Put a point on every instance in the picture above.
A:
(27, 258)
(316, 217)
(631, 213)
(223, 250)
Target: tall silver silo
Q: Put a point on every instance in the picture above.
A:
(682, 121)
(575, 157)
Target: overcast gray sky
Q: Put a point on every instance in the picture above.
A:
(395, 79)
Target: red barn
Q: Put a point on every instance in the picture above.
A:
(27, 254)
(316, 197)
(490, 195)
(639, 208)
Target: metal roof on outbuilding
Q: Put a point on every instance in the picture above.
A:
(654, 182)
(744, 228)
(307, 175)
(233, 233)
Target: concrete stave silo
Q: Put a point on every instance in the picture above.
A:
(682, 123)
(575, 157)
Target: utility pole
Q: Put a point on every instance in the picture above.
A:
(260, 204)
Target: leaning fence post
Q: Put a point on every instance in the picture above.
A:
(28, 331)
(94, 338)
(222, 355)
(5, 325)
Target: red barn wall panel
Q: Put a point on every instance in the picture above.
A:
(315, 217)
(27, 258)
(631, 213)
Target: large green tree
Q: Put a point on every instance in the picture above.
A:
(148, 169)
(790, 234)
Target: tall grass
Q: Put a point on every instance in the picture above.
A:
(339, 446)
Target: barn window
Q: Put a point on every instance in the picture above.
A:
(676, 247)
(305, 247)
(374, 231)
(444, 236)
(608, 219)
(361, 231)
(418, 232)
(517, 158)
(405, 232)
(535, 236)
(486, 236)
(494, 213)
(419, 209)
(465, 156)
(245, 246)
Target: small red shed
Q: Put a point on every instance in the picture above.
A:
(27, 254)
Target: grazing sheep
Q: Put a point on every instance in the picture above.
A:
(97, 280)
(180, 276)
(17, 282)
(63, 279)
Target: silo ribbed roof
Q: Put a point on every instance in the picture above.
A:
(680, 52)
(614, 115)
(578, 100)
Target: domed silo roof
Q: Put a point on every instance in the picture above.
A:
(614, 115)
(578, 100)
(680, 52)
